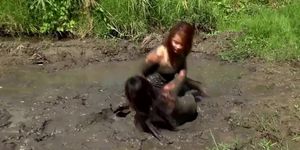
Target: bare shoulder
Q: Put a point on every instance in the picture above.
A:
(157, 54)
(161, 51)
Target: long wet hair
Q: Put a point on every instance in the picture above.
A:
(139, 93)
(186, 32)
(147, 103)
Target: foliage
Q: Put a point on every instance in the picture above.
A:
(270, 27)
(271, 34)
(120, 18)
(14, 16)
(136, 17)
(53, 15)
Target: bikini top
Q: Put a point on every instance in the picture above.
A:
(165, 68)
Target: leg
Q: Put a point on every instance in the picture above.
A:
(123, 110)
(191, 84)
(186, 110)
(196, 85)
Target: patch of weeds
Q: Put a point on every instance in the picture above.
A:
(267, 124)
(237, 120)
(267, 121)
(221, 146)
(296, 138)
(270, 34)
(297, 111)
(266, 144)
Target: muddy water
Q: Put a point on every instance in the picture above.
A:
(60, 105)
(33, 81)
(217, 77)
(73, 109)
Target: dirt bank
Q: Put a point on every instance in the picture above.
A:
(61, 55)
(60, 95)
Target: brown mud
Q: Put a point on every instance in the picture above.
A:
(61, 95)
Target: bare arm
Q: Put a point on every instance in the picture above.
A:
(122, 110)
(151, 64)
(153, 129)
(149, 68)
(175, 85)
(193, 84)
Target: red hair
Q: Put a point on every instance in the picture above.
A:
(186, 32)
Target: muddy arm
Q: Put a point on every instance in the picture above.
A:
(193, 84)
(149, 68)
(123, 110)
(151, 63)
(153, 129)
(176, 85)
(196, 85)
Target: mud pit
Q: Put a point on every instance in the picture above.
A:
(63, 97)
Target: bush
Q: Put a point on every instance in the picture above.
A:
(49, 16)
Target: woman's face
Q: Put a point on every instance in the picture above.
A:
(177, 44)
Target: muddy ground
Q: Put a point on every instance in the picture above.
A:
(60, 95)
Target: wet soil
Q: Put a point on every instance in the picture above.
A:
(61, 95)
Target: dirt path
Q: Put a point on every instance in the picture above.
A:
(60, 95)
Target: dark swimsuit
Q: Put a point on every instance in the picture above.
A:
(158, 80)
(185, 107)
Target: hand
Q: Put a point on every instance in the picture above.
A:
(169, 86)
(123, 110)
(182, 73)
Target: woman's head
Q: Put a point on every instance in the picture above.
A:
(139, 93)
(180, 38)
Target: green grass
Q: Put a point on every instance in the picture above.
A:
(166, 13)
(120, 18)
(271, 28)
(14, 16)
(136, 17)
(270, 34)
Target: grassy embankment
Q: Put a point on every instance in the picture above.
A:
(271, 31)
(271, 28)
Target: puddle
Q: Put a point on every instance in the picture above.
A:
(27, 88)
(22, 81)
(218, 78)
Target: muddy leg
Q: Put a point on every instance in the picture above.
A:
(186, 110)
(123, 110)
(199, 94)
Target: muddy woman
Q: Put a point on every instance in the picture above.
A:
(162, 63)
(159, 107)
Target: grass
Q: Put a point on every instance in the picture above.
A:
(271, 28)
(120, 18)
(14, 16)
(270, 34)
(136, 17)
(255, 143)
(219, 146)
(261, 144)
